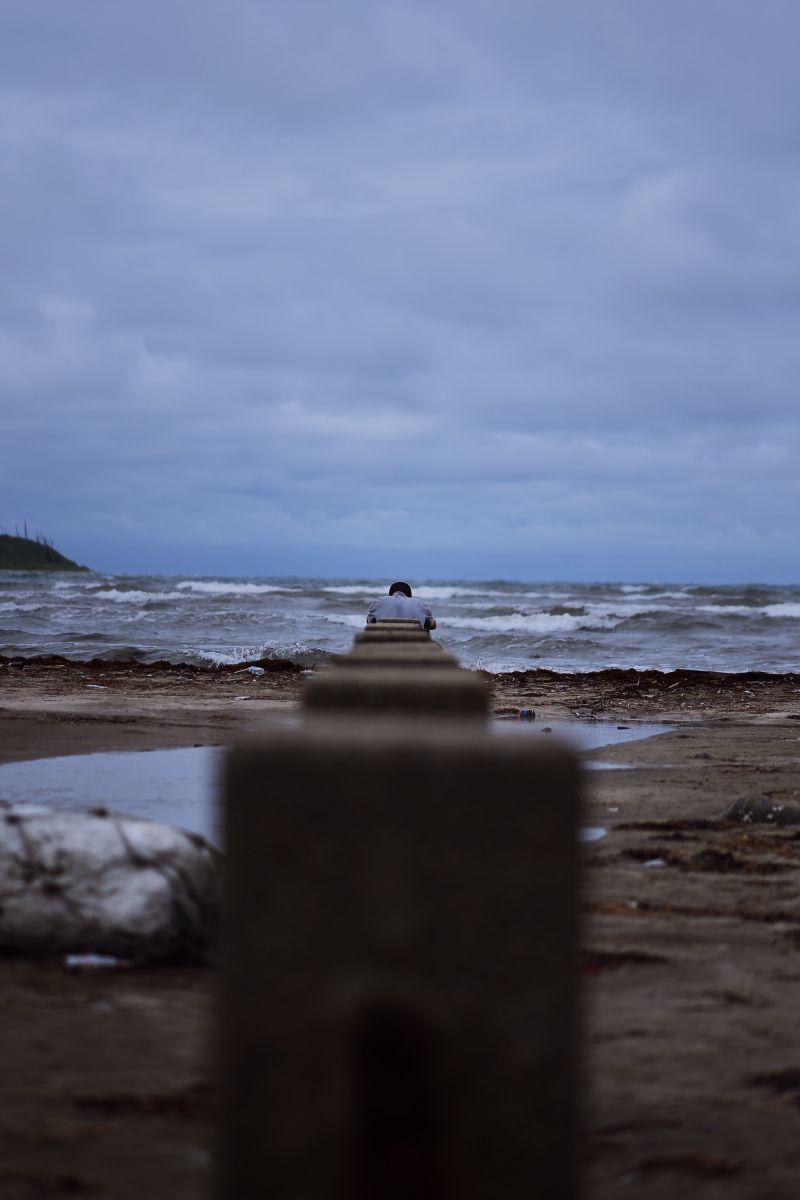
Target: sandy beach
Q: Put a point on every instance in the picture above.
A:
(691, 942)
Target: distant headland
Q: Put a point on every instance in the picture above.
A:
(33, 554)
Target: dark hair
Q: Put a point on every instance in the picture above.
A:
(400, 587)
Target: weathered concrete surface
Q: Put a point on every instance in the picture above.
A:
(398, 1012)
(394, 623)
(406, 654)
(424, 691)
(385, 633)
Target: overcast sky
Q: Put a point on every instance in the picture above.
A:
(440, 288)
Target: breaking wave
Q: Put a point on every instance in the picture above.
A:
(534, 623)
(134, 597)
(786, 610)
(296, 652)
(500, 624)
(218, 588)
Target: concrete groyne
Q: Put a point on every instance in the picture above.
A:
(399, 943)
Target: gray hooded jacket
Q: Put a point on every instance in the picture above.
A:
(400, 607)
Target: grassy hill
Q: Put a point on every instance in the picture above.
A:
(29, 554)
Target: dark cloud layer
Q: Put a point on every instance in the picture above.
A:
(505, 289)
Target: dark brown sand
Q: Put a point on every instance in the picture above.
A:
(691, 968)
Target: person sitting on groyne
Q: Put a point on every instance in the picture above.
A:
(400, 605)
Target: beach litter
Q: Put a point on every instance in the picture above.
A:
(256, 671)
(103, 883)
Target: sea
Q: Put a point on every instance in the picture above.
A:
(496, 625)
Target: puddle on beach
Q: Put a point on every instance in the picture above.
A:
(179, 786)
(176, 786)
(582, 735)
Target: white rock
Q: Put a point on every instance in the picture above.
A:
(104, 882)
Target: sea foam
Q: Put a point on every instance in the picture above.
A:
(780, 611)
(229, 588)
(134, 596)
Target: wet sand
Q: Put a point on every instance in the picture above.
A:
(691, 945)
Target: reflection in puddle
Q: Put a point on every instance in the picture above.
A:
(591, 833)
(581, 735)
(175, 786)
(180, 786)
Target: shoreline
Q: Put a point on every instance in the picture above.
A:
(690, 940)
(52, 706)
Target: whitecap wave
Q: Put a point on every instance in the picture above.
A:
(731, 610)
(533, 623)
(351, 589)
(352, 620)
(595, 616)
(426, 592)
(787, 610)
(783, 610)
(293, 652)
(229, 588)
(61, 585)
(134, 597)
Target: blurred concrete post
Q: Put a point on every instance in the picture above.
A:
(393, 623)
(387, 631)
(399, 965)
(404, 654)
(396, 688)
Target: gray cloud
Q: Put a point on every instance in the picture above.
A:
(509, 285)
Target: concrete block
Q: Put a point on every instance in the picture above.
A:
(385, 633)
(399, 966)
(394, 623)
(405, 654)
(423, 691)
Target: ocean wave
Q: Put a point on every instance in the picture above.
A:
(352, 620)
(501, 623)
(783, 610)
(558, 619)
(124, 654)
(16, 606)
(431, 592)
(731, 610)
(297, 652)
(534, 623)
(229, 588)
(423, 592)
(135, 597)
(786, 610)
(350, 589)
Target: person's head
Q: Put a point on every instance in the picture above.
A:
(400, 587)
